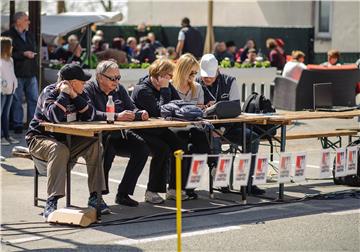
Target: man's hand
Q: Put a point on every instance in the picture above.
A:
(126, 115)
(144, 115)
(65, 87)
(163, 82)
(29, 54)
(210, 103)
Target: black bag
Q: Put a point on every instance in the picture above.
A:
(257, 103)
(223, 109)
(350, 180)
(181, 110)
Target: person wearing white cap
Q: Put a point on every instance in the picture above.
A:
(221, 87)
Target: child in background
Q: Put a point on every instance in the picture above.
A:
(8, 86)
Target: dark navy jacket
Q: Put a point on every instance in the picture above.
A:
(148, 98)
(220, 89)
(54, 106)
(24, 67)
(99, 99)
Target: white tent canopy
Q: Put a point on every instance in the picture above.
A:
(59, 25)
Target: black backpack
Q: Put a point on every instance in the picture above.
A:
(350, 180)
(181, 110)
(257, 103)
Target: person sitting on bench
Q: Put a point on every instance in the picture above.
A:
(63, 101)
(221, 87)
(126, 142)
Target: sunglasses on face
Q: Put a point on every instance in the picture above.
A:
(193, 73)
(115, 78)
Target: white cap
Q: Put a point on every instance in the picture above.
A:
(208, 65)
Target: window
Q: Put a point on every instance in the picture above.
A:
(323, 19)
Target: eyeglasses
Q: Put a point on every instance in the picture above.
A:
(193, 73)
(115, 78)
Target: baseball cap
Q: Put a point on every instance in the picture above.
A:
(208, 65)
(74, 72)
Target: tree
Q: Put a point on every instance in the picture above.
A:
(107, 6)
(61, 7)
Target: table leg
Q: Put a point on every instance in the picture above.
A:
(282, 149)
(68, 175)
(243, 188)
(100, 168)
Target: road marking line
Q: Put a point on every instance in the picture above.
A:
(174, 236)
(110, 179)
(346, 212)
(27, 239)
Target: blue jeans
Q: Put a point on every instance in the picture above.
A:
(5, 113)
(30, 87)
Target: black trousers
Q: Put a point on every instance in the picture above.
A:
(128, 144)
(162, 143)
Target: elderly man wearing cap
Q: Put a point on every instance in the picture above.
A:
(221, 87)
(64, 102)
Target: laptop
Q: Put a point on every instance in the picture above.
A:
(323, 99)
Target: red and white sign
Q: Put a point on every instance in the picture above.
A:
(241, 170)
(351, 160)
(300, 167)
(198, 166)
(285, 167)
(325, 164)
(223, 171)
(261, 168)
(340, 163)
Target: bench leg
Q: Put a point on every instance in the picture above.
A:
(68, 174)
(36, 186)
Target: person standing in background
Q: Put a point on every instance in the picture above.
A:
(333, 57)
(294, 68)
(189, 40)
(8, 85)
(24, 48)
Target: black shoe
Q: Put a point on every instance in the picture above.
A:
(125, 200)
(18, 130)
(191, 194)
(50, 206)
(255, 191)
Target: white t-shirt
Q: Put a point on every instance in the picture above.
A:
(8, 79)
(181, 35)
(293, 70)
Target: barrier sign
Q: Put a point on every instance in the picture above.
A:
(285, 167)
(261, 168)
(340, 163)
(241, 170)
(325, 164)
(197, 168)
(223, 171)
(351, 160)
(300, 167)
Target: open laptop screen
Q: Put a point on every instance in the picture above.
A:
(322, 95)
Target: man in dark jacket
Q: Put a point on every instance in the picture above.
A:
(120, 142)
(221, 87)
(24, 48)
(189, 40)
(150, 94)
(64, 102)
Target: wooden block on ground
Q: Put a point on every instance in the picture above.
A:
(73, 216)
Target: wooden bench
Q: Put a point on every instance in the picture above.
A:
(322, 135)
(39, 169)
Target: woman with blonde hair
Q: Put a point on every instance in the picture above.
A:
(183, 80)
(9, 84)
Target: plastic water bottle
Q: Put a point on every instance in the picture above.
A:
(110, 110)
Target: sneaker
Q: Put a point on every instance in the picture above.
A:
(50, 206)
(4, 141)
(13, 140)
(171, 195)
(153, 198)
(122, 199)
(191, 194)
(104, 209)
(256, 191)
